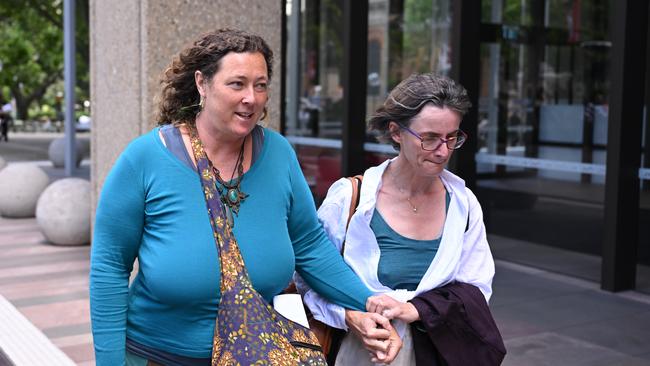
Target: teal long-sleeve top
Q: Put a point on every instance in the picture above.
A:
(152, 208)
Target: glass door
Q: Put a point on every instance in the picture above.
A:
(543, 132)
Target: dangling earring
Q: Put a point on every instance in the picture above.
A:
(201, 103)
(264, 113)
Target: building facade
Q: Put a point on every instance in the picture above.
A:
(558, 152)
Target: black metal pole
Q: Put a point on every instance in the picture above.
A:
(465, 69)
(354, 83)
(646, 138)
(628, 67)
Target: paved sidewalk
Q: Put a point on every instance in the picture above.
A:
(32, 146)
(48, 285)
(551, 319)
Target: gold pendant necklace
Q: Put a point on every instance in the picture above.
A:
(402, 191)
(414, 208)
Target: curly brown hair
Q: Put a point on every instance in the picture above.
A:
(179, 98)
(406, 100)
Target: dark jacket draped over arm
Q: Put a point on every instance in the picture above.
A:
(456, 328)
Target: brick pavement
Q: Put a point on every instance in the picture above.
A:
(48, 285)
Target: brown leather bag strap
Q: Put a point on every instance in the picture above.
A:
(354, 201)
(330, 338)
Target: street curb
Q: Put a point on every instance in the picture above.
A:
(23, 343)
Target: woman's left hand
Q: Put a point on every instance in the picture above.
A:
(373, 330)
(392, 309)
(394, 346)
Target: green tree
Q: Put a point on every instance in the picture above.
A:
(31, 48)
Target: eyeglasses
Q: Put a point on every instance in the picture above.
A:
(434, 142)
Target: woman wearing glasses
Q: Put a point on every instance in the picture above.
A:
(417, 235)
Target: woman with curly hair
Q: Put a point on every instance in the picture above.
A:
(209, 152)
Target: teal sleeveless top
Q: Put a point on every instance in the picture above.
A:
(402, 261)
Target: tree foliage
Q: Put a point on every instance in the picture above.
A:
(31, 48)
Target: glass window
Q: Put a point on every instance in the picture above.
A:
(543, 133)
(314, 91)
(319, 58)
(404, 37)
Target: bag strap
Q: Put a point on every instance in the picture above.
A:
(354, 201)
(229, 254)
(468, 215)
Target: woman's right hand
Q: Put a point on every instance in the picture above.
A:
(392, 309)
(376, 333)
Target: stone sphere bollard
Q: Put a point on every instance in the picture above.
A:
(63, 212)
(20, 186)
(56, 152)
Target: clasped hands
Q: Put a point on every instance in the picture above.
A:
(374, 328)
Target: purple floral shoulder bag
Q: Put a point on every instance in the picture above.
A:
(248, 330)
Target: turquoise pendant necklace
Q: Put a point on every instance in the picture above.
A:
(231, 193)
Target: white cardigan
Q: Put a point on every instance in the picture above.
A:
(463, 256)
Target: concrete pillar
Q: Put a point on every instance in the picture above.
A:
(131, 42)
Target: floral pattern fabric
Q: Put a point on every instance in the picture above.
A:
(248, 331)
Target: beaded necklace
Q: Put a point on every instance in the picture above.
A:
(230, 192)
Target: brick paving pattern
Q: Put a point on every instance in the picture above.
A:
(49, 285)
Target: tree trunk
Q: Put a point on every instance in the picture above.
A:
(24, 101)
(22, 104)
